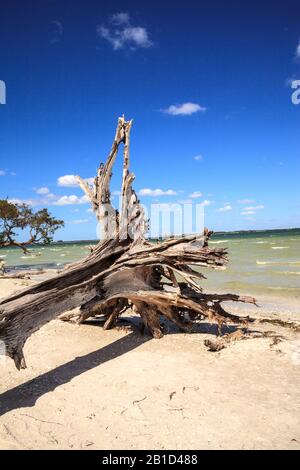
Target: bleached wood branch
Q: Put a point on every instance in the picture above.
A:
(123, 271)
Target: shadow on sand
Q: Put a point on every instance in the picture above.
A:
(26, 394)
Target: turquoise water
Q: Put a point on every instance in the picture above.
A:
(259, 262)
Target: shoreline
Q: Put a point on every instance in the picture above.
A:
(264, 264)
(215, 234)
(273, 304)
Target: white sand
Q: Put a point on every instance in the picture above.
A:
(89, 389)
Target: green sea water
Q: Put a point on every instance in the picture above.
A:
(260, 263)
(265, 263)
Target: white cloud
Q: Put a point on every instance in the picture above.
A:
(68, 200)
(29, 202)
(11, 173)
(195, 195)
(121, 33)
(184, 109)
(51, 196)
(251, 210)
(16, 201)
(198, 158)
(79, 221)
(226, 208)
(42, 190)
(248, 213)
(52, 200)
(70, 181)
(246, 201)
(120, 18)
(57, 31)
(157, 192)
(205, 203)
(67, 181)
(254, 208)
(137, 35)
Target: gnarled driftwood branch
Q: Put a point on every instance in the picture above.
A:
(123, 271)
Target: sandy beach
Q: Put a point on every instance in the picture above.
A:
(149, 228)
(86, 388)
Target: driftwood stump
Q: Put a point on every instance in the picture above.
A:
(123, 271)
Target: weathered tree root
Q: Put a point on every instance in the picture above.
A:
(217, 344)
(221, 342)
(123, 271)
(279, 322)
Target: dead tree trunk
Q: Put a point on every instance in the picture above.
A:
(123, 271)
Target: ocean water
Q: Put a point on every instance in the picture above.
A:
(260, 263)
(265, 263)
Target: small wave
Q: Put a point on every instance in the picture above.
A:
(3, 256)
(63, 254)
(265, 262)
(220, 241)
(31, 256)
(292, 273)
(279, 247)
(55, 249)
(283, 288)
(279, 263)
(260, 242)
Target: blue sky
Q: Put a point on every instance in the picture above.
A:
(209, 80)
